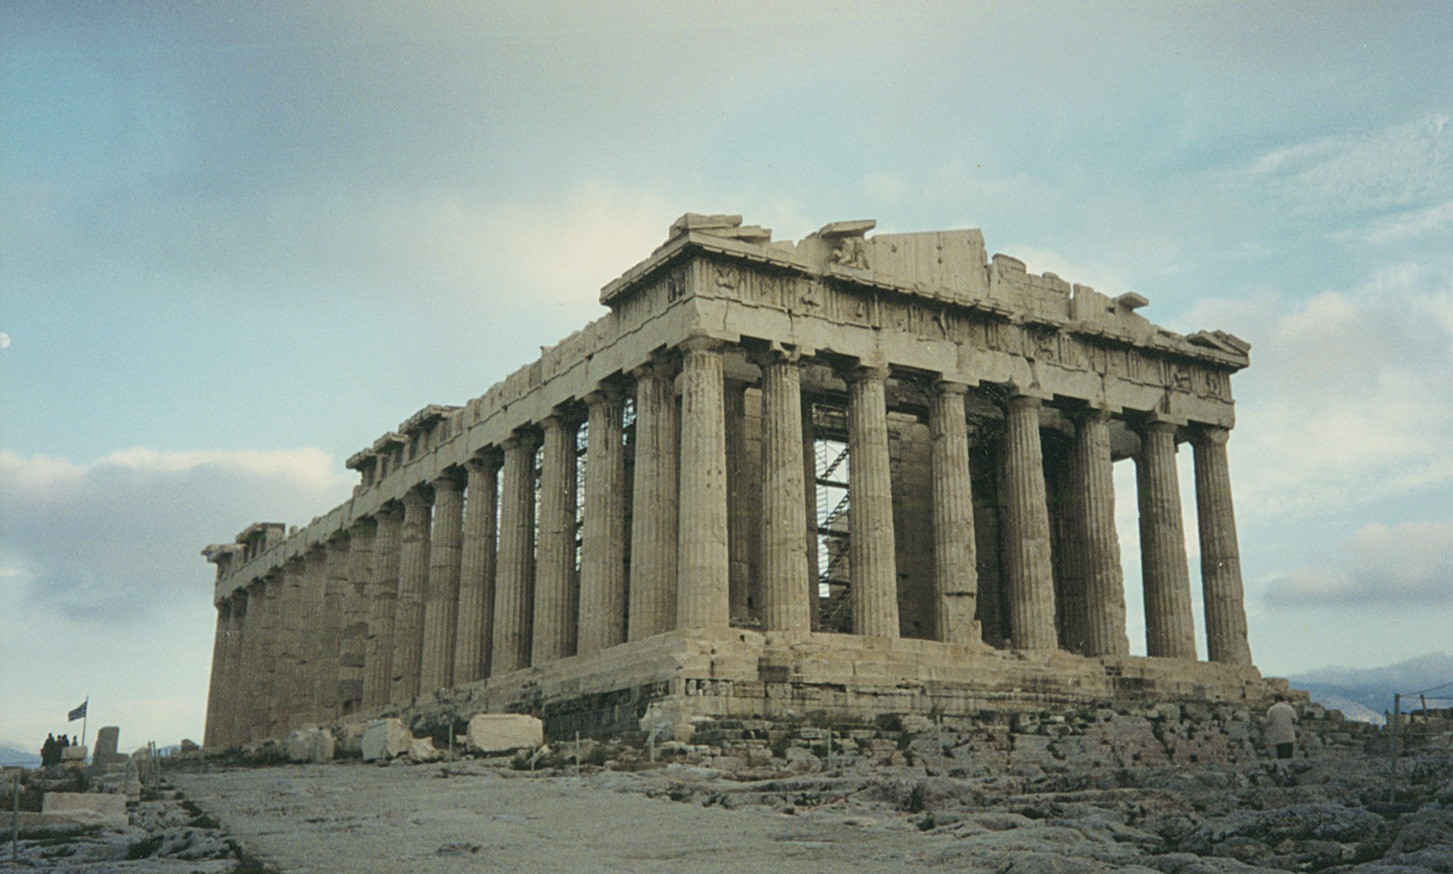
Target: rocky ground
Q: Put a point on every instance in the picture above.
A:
(785, 810)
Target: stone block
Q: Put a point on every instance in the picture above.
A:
(314, 745)
(73, 754)
(422, 751)
(494, 733)
(106, 743)
(87, 808)
(385, 739)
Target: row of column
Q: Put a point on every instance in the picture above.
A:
(460, 580)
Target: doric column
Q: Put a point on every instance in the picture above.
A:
(476, 573)
(217, 692)
(653, 517)
(413, 583)
(1092, 490)
(269, 690)
(702, 562)
(809, 494)
(326, 663)
(955, 572)
(1169, 626)
(553, 637)
(784, 546)
(514, 586)
(265, 690)
(238, 705)
(874, 591)
(1028, 570)
(383, 596)
(602, 538)
(292, 700)
(1221, 588)
(354, 639)
(441, 601)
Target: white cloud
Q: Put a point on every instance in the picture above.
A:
(1409, 562)
(114, 539)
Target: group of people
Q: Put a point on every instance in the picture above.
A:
(53, 750)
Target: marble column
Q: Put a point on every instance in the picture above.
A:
(514, 587)
(702, 560)
(265, 690)
(292, 681)
(413, 583)
(329, 642)
(217, 692)
(602, 537)
(955, 570)
(239, 704)
(554, 628)
(1028, 569)
(874, 574)
(1169, 626)
(476, 572)
(653, 518)
(383, 595)
(355, 615)
(784, 547)
(1221, 589)
(740, 506)
(809, 494)
(441, 600)
(1092, 491)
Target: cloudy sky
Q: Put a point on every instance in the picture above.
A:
(238, 241)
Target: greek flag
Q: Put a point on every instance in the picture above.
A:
(79, 712)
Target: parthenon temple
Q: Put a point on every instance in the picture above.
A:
(855, 474)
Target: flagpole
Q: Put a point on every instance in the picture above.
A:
(84, 716)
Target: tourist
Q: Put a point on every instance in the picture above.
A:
(1281, 730)
(49, 751)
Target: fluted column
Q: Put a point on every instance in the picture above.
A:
(239, 704)
(874, 591)
(955, 571)
(1028, 570)
(355, 615)
(554, 625)
(413, 583)
(1221, 588)
(441, 600)
(602, 538)
(784, 544)
(383, 595)
(265, 689)
(476, 572)
(292, 683)
(329, 640)
(653, 517)
(514, 588)
(702, 569)
(809, 495)
(1169, 626)
(1092, 489)
(217, 692)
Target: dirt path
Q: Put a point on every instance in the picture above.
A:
(364, 818)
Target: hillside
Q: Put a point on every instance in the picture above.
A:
(1367, 693)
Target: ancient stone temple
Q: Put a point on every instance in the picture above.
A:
(851, 475)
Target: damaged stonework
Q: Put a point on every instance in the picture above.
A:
(854, 475)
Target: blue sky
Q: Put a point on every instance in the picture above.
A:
(240, 241)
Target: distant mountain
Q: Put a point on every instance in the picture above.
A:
(1366, 693)
(11, 756)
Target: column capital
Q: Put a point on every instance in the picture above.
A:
(702, 343)
(1022, 402)
(950, 387)
(417, 497)
(521, 439)
(485, 460)
(605, 393)
(861, 372)
(447, 482)
(1209, 434)
(776, 353)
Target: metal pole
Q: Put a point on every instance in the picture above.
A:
(85, 715)
(15, 823)
(577, 754)
(1397, 706)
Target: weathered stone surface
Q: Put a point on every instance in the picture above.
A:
(88, 808)
(422, 751)
(492, 733)
(385, 739)
(315, 745)
(106, 740)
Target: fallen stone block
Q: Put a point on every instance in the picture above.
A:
(496, 733)
(385, 739)
(422, 751)
(87, 808)
(314, 745)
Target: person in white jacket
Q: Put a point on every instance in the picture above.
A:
(1281, 727)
